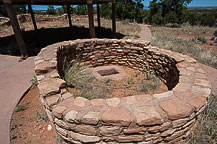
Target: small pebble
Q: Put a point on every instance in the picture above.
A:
(49, 127)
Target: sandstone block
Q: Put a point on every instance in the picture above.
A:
(97, 102)
(80, 101)
(58, 111)
(197, 102)
(48, 87)
(85, 129)
(147, 115)
(91, 118)
(138, 99)
(110, 130)
(163, 95)
(83, 138)
(52, 100)
(113, 102)
(162, 127)
(139, 130)
(131, 138)
(117, 116)
(70, 116)
(175, 109)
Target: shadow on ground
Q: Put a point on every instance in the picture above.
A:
(36, 40)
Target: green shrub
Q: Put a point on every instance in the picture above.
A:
(202, 40)
(157, 19)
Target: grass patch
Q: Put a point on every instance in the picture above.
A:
(186, 47)
(21, 107)
(13, 126)
(41, 117)
(206, 130)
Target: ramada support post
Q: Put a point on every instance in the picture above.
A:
(16, 28)
(32, 15)
(113, 16)
(68, 13)
(98, 15)
(91, 19)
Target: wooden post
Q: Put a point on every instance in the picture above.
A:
(113, 16)
(91, 18)
(16, 29)
(98, 15)
(32, 15)
(68, 12)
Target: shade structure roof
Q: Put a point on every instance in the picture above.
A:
(53, 2)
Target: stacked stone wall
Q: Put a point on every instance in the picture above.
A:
(160, 118)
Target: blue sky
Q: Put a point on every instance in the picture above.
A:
(146, 3)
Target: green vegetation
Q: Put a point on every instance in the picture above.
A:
(13, 126)
(40, 117)
(34, 81)
(184, 46)
(206, 130)
(21, 107)
(12, 136)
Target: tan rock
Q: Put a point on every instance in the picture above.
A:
(197, 102)
(110, 130)
(85, 129)
(202, 82)
(52, 100)
(97, 102)
(80, 101)
(131, 138)
(71, 115)
(58, 111)
(83, 138)
(182, 87)
(168, 132)
(113, 102)
(179, 122)
(66, 95)
(175, 135)
(199, 91)
(163, 127)
(117, 116)
(164, 95)
(91, 118)
(61, 131)
(139, 130)
(147, 115)
(48, 87)
(43, 67)
(61, 123)
(175, 109)
(138, 99)
(61, 83)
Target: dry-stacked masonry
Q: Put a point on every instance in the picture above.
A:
(165, 117)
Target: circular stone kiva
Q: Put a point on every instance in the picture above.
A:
(160, 118)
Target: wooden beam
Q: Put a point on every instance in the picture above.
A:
(113, 16)
(16, 29)
(68, 12)
(98, 15)
(91, 18)
(32, 14)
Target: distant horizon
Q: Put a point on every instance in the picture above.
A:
(193, 4)
(44, 7)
